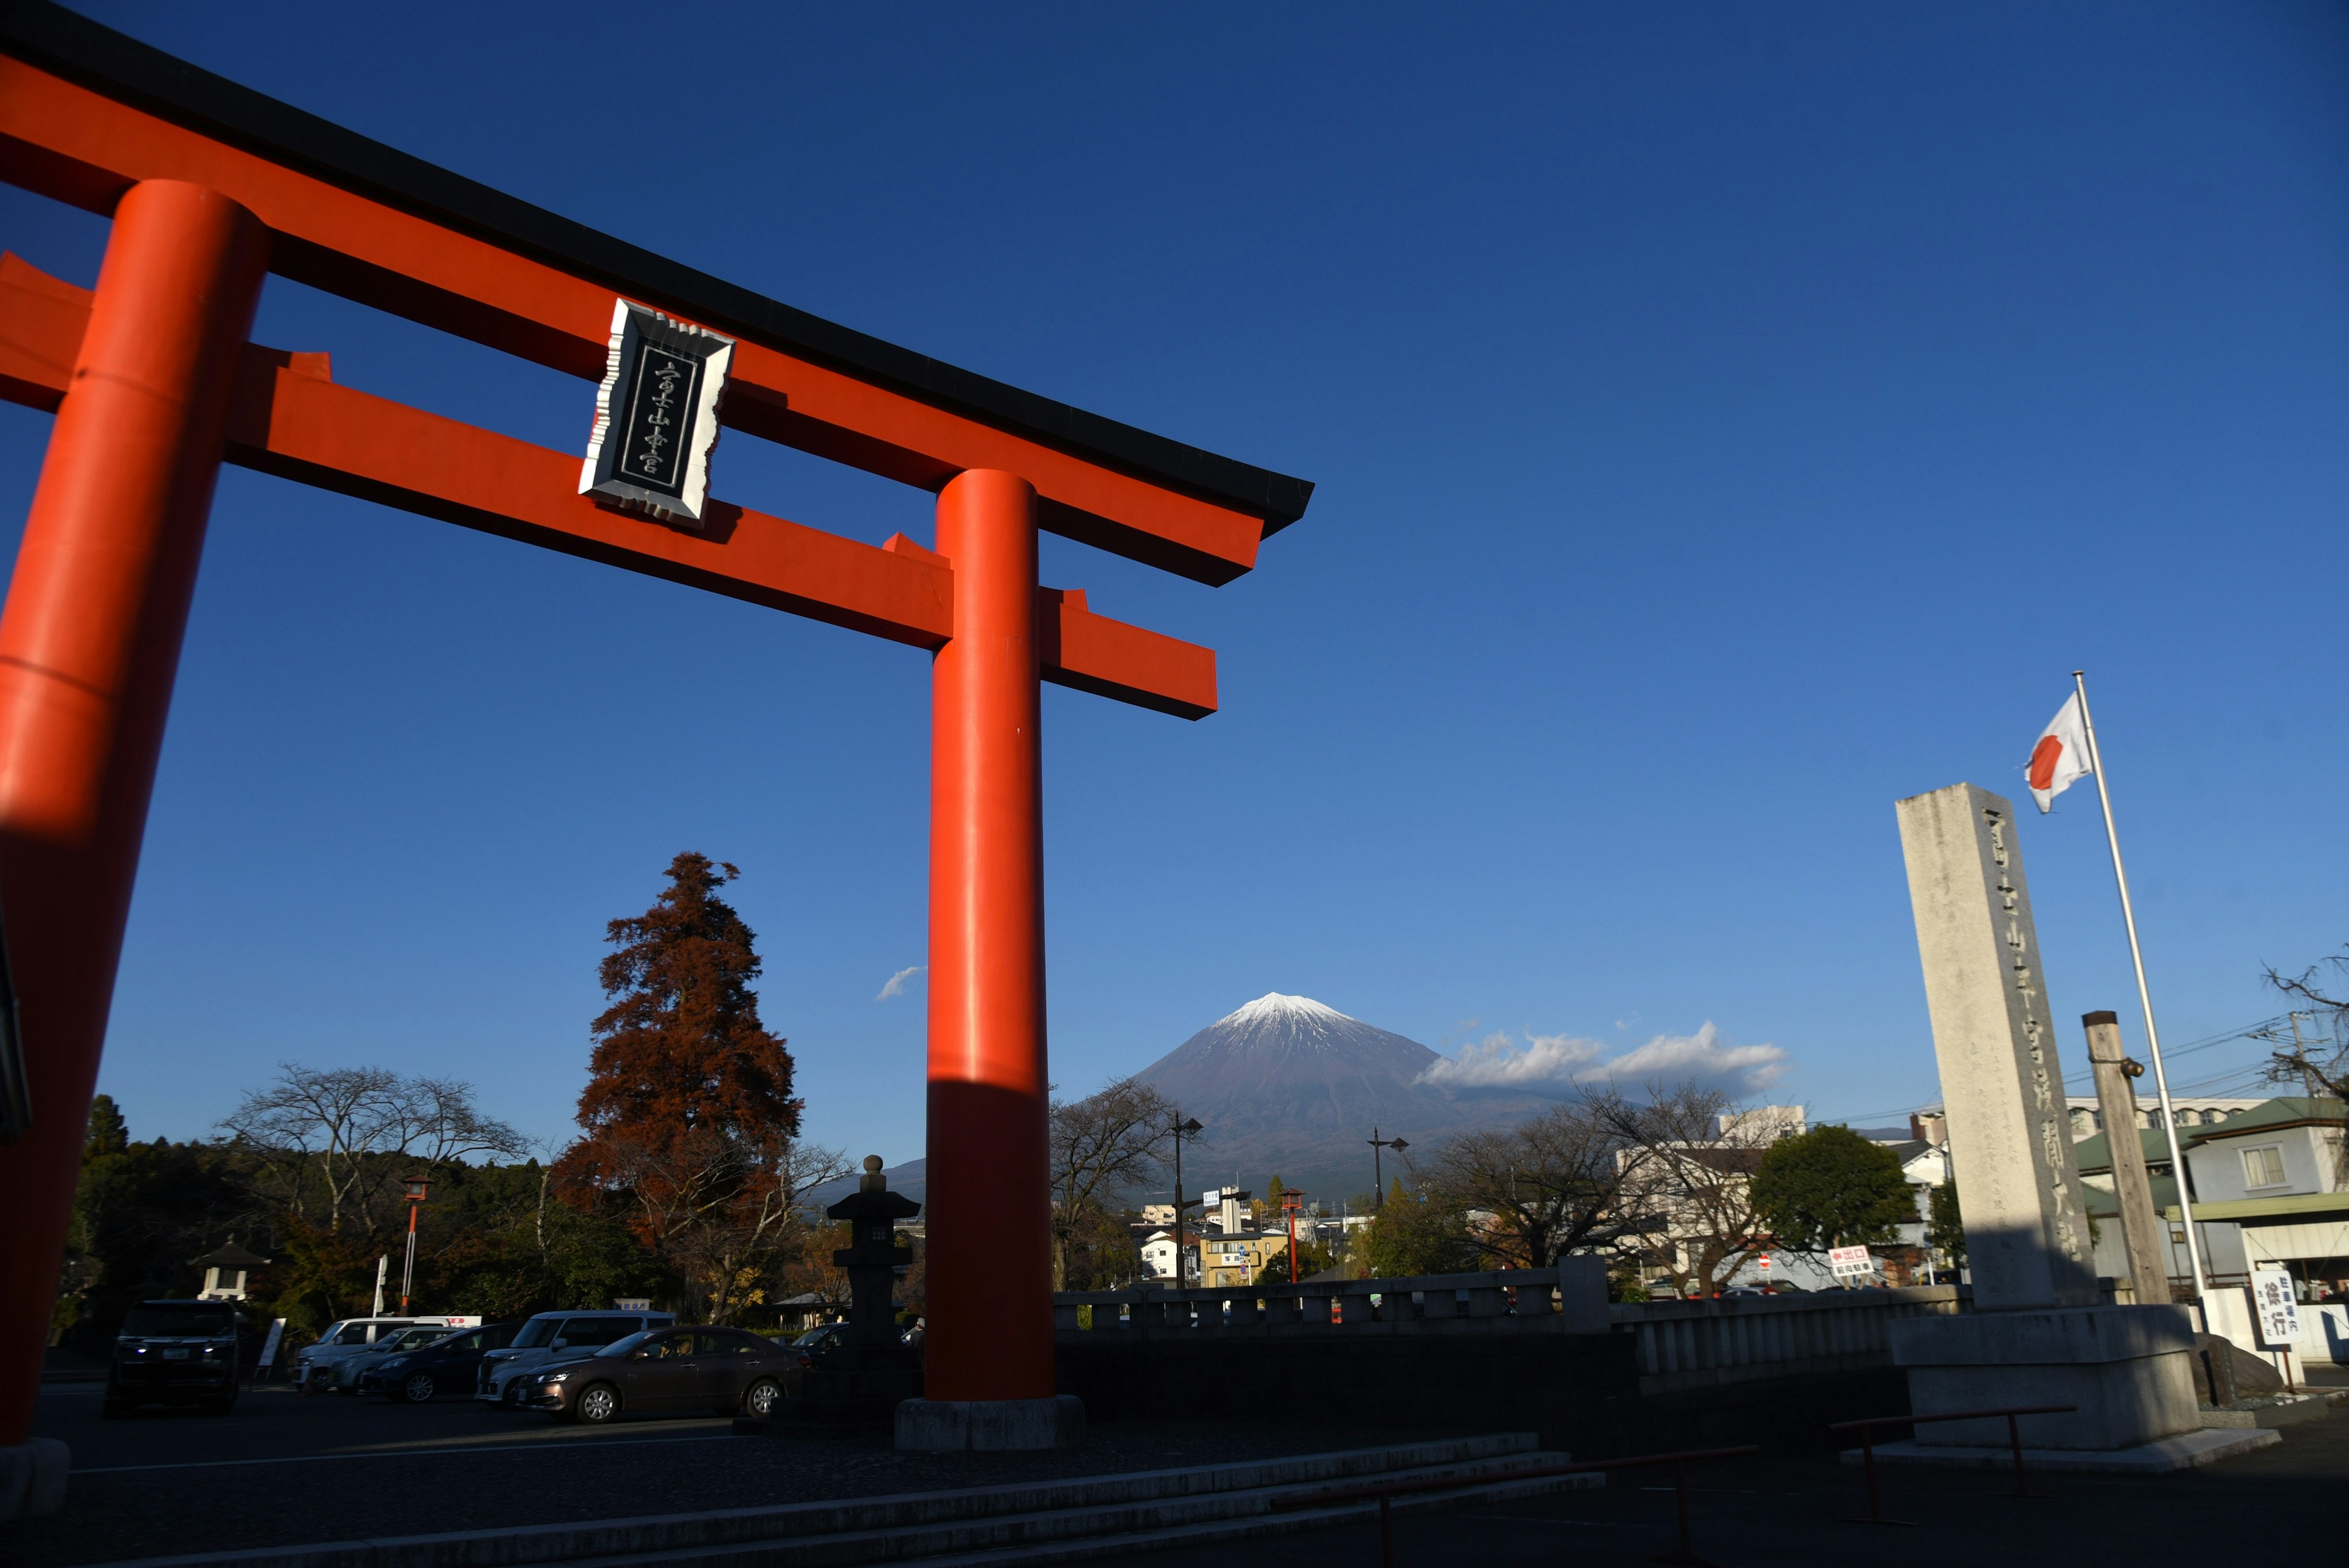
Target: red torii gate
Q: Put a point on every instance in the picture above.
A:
(210, 186)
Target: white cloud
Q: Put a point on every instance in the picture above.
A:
(896, 986)
(1564, 1062)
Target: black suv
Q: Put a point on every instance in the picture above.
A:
(449, 1365)
(175, 1353)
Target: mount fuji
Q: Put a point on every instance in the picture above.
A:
(1287, 1086)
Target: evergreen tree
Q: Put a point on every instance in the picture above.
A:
(688, 1122)
(1945, 1230)
(1831, 1188)
(1419, 1234)
(681, 1047)
(108, 1133)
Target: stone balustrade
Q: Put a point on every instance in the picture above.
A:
(1680, 1345)
(1704, 1344)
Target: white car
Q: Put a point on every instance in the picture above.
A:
(313, 1366)
(553, 1333)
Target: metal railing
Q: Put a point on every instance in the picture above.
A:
(1385, 1491)
(1867, 1430)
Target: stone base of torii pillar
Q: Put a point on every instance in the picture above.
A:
(2035, 1333)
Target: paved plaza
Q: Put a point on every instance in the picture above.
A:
(285, 1469)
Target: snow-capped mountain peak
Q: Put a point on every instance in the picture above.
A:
(1292, 1086)
(1272, 1007)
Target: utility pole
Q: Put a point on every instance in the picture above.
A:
(1187, 1127)
(1378, 1177)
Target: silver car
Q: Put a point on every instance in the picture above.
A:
(342, 1377)
(351, 1335)
(552, 1335)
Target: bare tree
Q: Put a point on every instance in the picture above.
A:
(349, 1127)
(1103, 1145)
(2317, 1060)
(1554, 1185)
(2320, 1063)
(1689, 1156)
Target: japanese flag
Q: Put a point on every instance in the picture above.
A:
(2060, 756)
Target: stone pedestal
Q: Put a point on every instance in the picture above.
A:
(2130, 1370)
(952, 1426)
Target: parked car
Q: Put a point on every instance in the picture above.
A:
(175, 1352)
(666, 1370)
(344, 1376)
(450, 1364)
(549, 1334)
(349, 1336)
(814, 1347)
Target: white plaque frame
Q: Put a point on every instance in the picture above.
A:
(638, 331)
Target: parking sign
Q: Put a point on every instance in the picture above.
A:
(1849, 1262)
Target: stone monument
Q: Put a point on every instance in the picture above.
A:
(2141, 1232)
(2036, 1334)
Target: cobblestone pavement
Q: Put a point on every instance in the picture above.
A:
(283, 1469)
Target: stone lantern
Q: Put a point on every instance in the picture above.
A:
(225, 1268)
(864, 1378)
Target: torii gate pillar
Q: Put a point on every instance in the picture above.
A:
(989, 1347)
(89, 646)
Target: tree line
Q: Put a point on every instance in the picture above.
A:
(687, 1182)
(1680, 1185)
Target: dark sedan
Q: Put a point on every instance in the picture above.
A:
(814, 1347)
(664, 1371)
(448, 1365)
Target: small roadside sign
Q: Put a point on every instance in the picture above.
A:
(1765, 1261)
(268, 1357)
(2274, 1308)
(1849, 1262)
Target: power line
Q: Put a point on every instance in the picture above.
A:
(2084, 1078)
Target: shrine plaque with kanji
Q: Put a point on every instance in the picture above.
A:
(656, 416)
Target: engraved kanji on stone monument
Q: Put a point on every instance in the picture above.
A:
(2028, 1239)
(657, 415)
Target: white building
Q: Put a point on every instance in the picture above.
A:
(2088, 1114)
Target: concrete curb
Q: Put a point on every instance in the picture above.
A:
(2187, 1450)
(2308, 1408)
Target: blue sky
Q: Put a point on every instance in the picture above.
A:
(1725, 425)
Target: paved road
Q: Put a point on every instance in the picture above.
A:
(275, 1426)
(281, 1470)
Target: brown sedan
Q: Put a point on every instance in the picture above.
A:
(666, 1371)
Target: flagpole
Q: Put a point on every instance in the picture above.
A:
(2144, 996)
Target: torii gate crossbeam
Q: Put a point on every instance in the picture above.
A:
(154, 384)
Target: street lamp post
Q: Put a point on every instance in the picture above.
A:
(417, 1188)
(1187, 1127)
(1378, 1177)
(1291, 1201)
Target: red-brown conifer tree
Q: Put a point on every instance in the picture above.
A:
(689, 1118)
